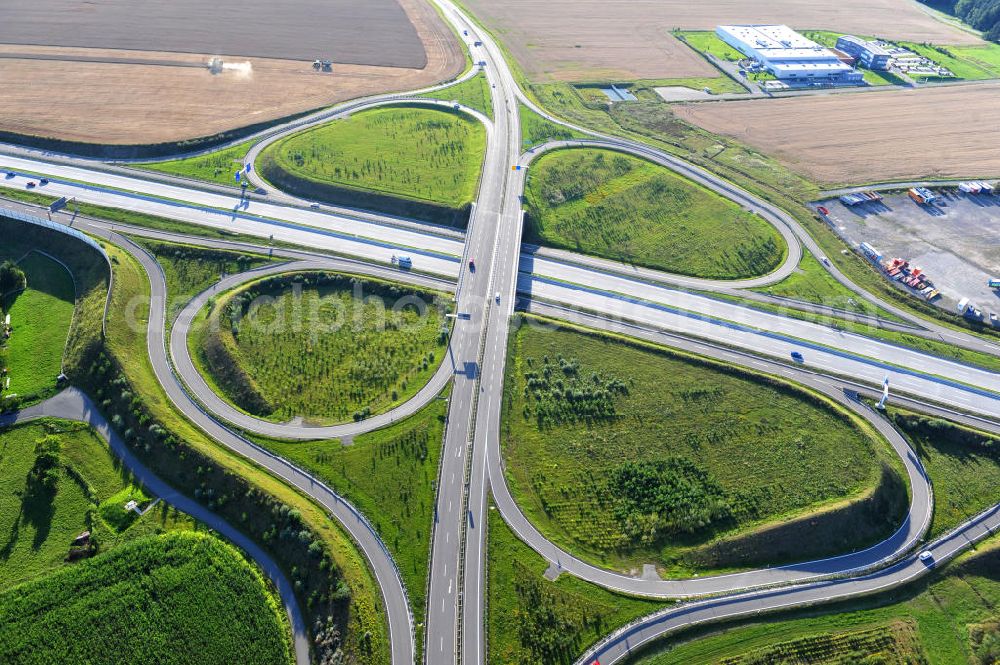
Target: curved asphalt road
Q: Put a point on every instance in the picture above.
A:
(361, 531)
(73, 404)
(185, 368)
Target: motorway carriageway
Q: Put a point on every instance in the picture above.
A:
(555, 280)
(920, 380)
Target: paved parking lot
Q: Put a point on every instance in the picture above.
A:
(957, 242)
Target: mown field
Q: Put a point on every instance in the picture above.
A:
(174, 598)
(626, 454)
(323, 346)
(40, 316)
(409, 161)
(948, 618)
(219, 166)
(189, 269)
(624, 208)
(535, 621)
(389, 475)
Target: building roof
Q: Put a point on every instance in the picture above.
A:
(871, 47)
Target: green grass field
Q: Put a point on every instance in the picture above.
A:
(38, 521)
(986, 57)
(948, 618)
(532, 620)
(474, 93)
(389, 475)
(963, 464)
(536, 130)
(189, 269)
(706, 41)
(624, 208)
(175, 598)
(405, 160)
(623, 466)
(328, 348)
(41, 316)
(961, 66)
(812, 283)
(219, 166)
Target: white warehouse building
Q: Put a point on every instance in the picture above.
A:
(786, 54)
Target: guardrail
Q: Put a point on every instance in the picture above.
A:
(19, 216)
(589, 655)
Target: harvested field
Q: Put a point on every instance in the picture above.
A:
(123, 97)
(583, 40)
(374, 32)
(870, 137)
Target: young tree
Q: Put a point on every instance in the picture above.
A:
(12, 278)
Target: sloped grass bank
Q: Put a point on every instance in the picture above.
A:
(414, 162)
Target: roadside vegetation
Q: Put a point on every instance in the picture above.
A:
(474, 93)
(948, 617)
(323, 346)
(172, 598)
(219, 166)
(332, 582)
(410, 161)
(48, 314)
(536, 130)
(620, 207)
(715, 468)
(40, 308)
(189, 269)
(59, 479)
(533, 620)
(963, 464)
(389, 475)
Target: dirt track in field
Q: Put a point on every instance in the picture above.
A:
(583, 40)
(91, 95)
(868, 137)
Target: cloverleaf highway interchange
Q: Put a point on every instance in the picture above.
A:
(492, 284)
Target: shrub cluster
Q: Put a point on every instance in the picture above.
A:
(663, 497)
(277, 527)
(557, 394)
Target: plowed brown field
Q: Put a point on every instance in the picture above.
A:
(120, 97)
(868, 137)
(582, 40)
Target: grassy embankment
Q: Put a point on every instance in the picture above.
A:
(948, 617)
(189, 269)
(329, 347)
(333, 584)
(623, 468)
(413, 162)
(219, 166)
(174, 598)
(963, 464)
(474, 93)
(620, 207)
(40, 315)
(532, 620)
(388, 475)
(48, 500)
